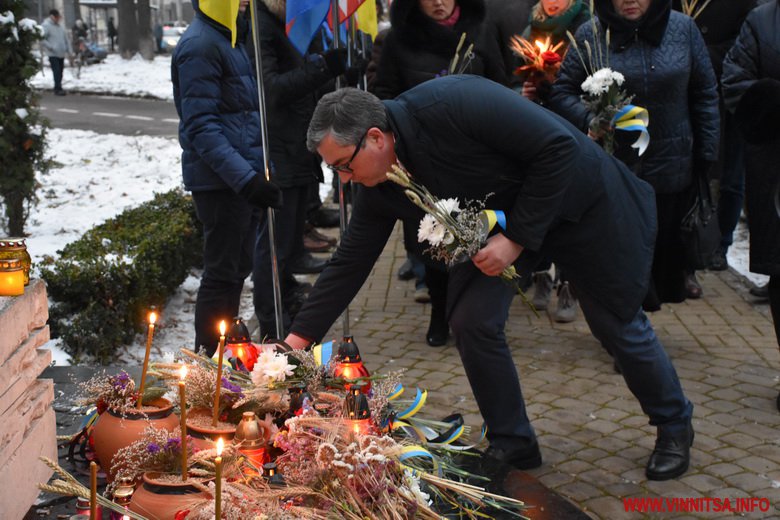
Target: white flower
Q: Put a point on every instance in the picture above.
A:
(600, 81)
(270, 367)
(449, 206)
(430, 230)
(21, 113)
(7, 17)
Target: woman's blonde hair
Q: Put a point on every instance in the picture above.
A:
(538, 11)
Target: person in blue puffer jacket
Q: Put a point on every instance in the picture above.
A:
(216, 97)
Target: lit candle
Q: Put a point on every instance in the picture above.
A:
(220, 351)
(11, 278)
(149, 336)
(183, 406)
(218, 482)
(92, 490)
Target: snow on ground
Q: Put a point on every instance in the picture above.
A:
(115, 76)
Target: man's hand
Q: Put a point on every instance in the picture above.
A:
(497, 255)
(297, 342)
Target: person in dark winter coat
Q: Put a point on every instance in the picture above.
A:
(505, 18)
(420, 45)
(470, 138)
(112, 33)
(663, 58)
(293, 84)
(751, 87)
(719, 22)
(215, 93)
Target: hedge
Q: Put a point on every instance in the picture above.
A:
(104, 283)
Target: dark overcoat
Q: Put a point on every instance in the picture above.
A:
(293, 84)
(674, 81)
(467, 137)
(751, 87)
(215, 93)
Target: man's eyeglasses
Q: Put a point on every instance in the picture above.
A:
(345, 168)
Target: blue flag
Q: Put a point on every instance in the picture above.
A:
(304, 18)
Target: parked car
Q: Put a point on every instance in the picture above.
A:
(171, 37)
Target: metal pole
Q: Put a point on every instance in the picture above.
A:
(271, 222)
(334, 11)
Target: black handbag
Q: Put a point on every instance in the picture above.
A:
(699, 228)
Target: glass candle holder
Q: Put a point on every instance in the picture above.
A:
(11, 278)
(15, 248)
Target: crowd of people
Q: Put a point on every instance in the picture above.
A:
(484, 127)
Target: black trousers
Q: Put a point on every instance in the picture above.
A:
(57, 66)
(289, 246)
(230, 232)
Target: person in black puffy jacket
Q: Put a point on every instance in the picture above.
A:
(666, 66)
(215, 93)
(751, 88)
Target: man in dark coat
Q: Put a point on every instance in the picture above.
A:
(293, 84)
(751, 88)
(719, 22)
(467, 137)
(215, 93)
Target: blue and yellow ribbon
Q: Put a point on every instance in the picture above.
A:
(633, 118)
(322, 353)
(417, 452)
(489, 218)
(417, 403)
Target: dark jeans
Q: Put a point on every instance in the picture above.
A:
(57, 66)
(229, 233)
(487, 360)
(646, 367)
(289, 246)
(732, 181)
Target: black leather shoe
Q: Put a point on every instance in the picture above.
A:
(778, 402)
(307, 264)
(524, 457)
(325, 218)
(671, 456)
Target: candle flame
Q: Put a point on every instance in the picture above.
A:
(183, 372)
(220, 445)
(152, 317)
(541, 45)
(222, 328)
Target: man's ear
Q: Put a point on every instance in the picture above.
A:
(376, 136)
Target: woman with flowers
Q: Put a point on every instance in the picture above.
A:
(424, 39)
(658, 56)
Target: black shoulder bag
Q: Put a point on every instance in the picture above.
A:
(699, 228)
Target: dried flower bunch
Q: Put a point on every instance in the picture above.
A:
(159, 451)
(115, 392)
(540, 56)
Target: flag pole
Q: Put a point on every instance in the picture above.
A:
(271, 220)
(334, 12)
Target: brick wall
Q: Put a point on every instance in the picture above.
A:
(27, 425)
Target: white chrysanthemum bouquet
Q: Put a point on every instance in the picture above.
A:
(454, 233)
(603, 91)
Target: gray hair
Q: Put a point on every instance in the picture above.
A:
(346, 115)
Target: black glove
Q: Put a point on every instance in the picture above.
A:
(336, 60)
(355, 71)
(262, 193)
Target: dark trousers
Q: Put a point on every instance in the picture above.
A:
(646, 367)
(732, 181)
(57, 66)
(487, 360)
(229, 233)
(289, 246)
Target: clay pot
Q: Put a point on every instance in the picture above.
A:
(113, 432)
(161, 500)
(205, 437)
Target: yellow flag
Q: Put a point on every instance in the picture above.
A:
(366, 17)
(224, 12)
